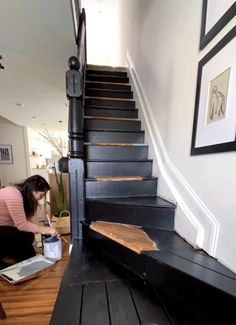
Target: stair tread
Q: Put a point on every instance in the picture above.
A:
(108, 83)
(112, 108)
(172, 253)
(176, 245)
(149, 201)
(115, 99)
(107, 89)
(110, 118)
(119, 161)
(115, 144)
(144, 178)
(120, 131)
(130, 236)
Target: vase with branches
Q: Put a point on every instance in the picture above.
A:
(59, 146)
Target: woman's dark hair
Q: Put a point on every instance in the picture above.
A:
(35, 183)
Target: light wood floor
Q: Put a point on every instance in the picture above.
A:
(31, 302)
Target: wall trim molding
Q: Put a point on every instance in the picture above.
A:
(193, 209)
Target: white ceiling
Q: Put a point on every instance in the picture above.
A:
(36, 40)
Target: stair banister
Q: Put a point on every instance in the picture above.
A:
(75, 79)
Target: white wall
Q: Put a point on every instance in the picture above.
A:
(160, 44)
(102, 31)
(14, 135)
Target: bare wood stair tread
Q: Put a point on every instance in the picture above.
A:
(118, 179)
(129, 236)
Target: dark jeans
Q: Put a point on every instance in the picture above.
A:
(16, 244)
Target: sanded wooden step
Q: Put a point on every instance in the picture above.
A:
(129, 236)
(118, 179)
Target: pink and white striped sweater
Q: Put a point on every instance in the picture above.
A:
(12, 210)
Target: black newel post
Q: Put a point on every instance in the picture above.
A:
(74, 91)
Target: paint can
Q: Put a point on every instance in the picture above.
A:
(52, 248)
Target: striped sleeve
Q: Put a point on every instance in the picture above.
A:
(15, 206)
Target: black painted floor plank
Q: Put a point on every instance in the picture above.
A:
(94, 305)
(67, 308)
(121, 306)
(148, 306)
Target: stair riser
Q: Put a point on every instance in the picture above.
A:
(102, 78)
(114, 137)
(94, 102)
(116, 153)
(114, 189)
(103, 85)
(108, 94)
(149, 217)
(106, 73)
(111, 112)
(96, 124)
(118, 169)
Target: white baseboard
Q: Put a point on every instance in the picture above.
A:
(193, 219)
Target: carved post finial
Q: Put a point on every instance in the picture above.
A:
(73, 63)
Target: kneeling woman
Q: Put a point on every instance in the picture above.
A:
(17, 206)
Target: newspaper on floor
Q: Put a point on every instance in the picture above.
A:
(27, 269)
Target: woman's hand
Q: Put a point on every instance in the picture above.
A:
(48, 231)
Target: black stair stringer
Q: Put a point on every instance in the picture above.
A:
(194, 292)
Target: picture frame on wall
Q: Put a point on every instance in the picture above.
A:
(215, 16)
(214, 124)
(6, 156)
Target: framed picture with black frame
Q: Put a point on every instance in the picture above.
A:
(6, 154)
(214, 124)
(215, 16)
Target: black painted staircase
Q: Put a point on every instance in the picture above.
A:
(120, 188)
(190, 287)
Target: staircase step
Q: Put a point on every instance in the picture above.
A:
(107, 86)
(118, 152)
(150, 212)
(97, 136)
(95, 289)
(110, 123)
(97, 111)
(118, 168)
(109, 103)
(204, 290)
(106, 72)
(121, 188)
(108, 93)
(106, 78)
